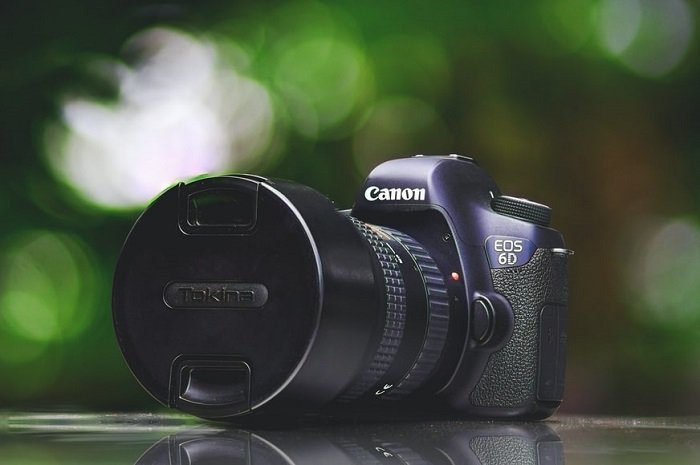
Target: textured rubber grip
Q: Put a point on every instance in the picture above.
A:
(510, 377)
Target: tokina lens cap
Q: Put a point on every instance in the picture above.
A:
(217, 295)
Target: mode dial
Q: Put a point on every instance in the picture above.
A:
(522, 209)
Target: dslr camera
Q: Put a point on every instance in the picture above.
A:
(236, 295)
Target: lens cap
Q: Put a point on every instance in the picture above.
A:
(217, 296)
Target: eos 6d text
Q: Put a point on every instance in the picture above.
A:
(508, 250)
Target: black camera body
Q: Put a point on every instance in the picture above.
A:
(239, 294)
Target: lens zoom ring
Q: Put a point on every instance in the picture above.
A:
(438, 318)
(395, 314)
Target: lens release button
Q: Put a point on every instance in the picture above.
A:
(482, 324)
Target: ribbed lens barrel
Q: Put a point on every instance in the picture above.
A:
(438, 317)
(415, 317)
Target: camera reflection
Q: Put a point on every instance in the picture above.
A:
(448, 444)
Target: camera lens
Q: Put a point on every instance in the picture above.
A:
(236, 294)
(416, 316)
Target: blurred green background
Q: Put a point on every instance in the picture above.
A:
(592, 107)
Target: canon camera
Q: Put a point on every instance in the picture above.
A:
(242, 294)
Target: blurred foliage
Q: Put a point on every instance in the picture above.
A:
(591, 107)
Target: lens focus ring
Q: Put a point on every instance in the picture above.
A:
(438, 317)
(395, 318)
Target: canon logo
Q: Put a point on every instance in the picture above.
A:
(373, 193)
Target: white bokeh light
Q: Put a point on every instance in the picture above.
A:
(650, 37)
(620, 21)
(182, 111)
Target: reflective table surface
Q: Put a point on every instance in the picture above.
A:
(147, 439)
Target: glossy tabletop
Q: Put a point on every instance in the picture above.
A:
(147, 439)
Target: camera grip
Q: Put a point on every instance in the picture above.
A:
(530, 367)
